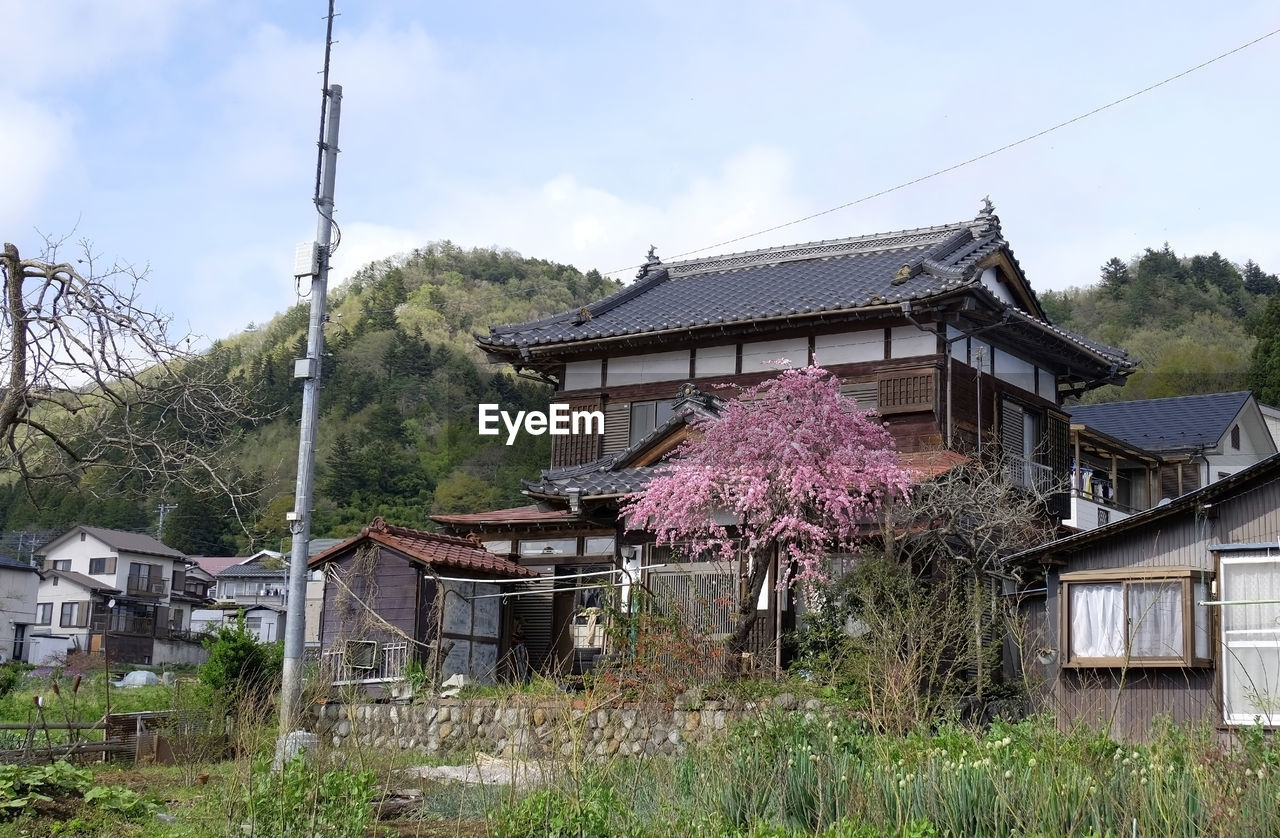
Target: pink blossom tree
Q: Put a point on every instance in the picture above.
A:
(797, 467)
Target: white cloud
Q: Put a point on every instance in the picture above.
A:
(570, 221)
(30, 156)
(54, 42)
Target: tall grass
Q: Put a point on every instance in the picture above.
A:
(791, 774)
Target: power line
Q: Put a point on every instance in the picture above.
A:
(971, 160)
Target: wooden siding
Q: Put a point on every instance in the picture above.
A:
(1127, 703)
(1252, 517)
(392, 594)
(574, 449)
(1172, 542)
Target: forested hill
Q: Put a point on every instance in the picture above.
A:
(1193, 321)
(402, 379)
(396, 435)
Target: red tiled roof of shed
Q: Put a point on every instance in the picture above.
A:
(439, 551)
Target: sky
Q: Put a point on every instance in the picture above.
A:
(180, 136)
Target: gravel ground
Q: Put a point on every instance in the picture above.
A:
(490, 771)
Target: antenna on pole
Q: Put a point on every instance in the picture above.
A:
(316, 265)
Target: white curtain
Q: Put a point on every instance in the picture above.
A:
(1097, 620)
(1155, 619)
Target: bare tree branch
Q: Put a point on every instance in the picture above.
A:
(97, 386)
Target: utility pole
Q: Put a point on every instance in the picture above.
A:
(164, 509)
(308, 369)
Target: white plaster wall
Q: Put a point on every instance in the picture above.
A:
(756, 356)
(849, 347)
(581, 375)
(640, 369)
(18, 590)
(715, 360)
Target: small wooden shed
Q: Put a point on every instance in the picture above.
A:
(406, 605)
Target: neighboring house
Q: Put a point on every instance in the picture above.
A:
(261, 579)
(1174, 611)
(258, 588)
(1129, 456)
(19, 583)
(1201, 439)
(99, 583)
(399, 599)
(937, 328)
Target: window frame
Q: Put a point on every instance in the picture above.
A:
(1188, 578)
(108, 565)
(48, 617)
(78, 620)
(1230, 640)
(60, 564)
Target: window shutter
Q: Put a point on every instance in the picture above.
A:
(574, 449)
(82, 613)
(1011, 439)
(866, 394)
(617, 427)
(905, 393)
(1058, 458)
(162, 621)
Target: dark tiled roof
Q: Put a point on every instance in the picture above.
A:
(15, 564)
(253, 569)
(595, 480)
(128, 542)
(809, 278)
(1181, 423)
(86, 582)
(845, 277)
(440, 551)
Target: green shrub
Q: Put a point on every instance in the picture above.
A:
(594, 809)
(240, 668)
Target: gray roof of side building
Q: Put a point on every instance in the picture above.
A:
(125, 542)
(15, 564)
(800, 280)
(86, 582)
(253, 569)
(1164, 426)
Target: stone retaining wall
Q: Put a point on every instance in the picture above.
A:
(538, 727)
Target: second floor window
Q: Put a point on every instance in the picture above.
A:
(102, 566)
(62, 564)
(645, 416)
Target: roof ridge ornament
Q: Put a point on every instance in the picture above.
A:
(651, 261)
(987, 221)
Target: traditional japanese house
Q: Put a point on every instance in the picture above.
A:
(936, 328)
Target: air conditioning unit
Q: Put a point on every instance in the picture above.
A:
(361, 654)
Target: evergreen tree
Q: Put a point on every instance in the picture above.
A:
(1264, 370)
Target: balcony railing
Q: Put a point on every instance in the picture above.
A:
(389, 662)
(123, 624)
(1029, 475)
(146, 586)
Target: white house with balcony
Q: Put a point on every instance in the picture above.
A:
(115, 589)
